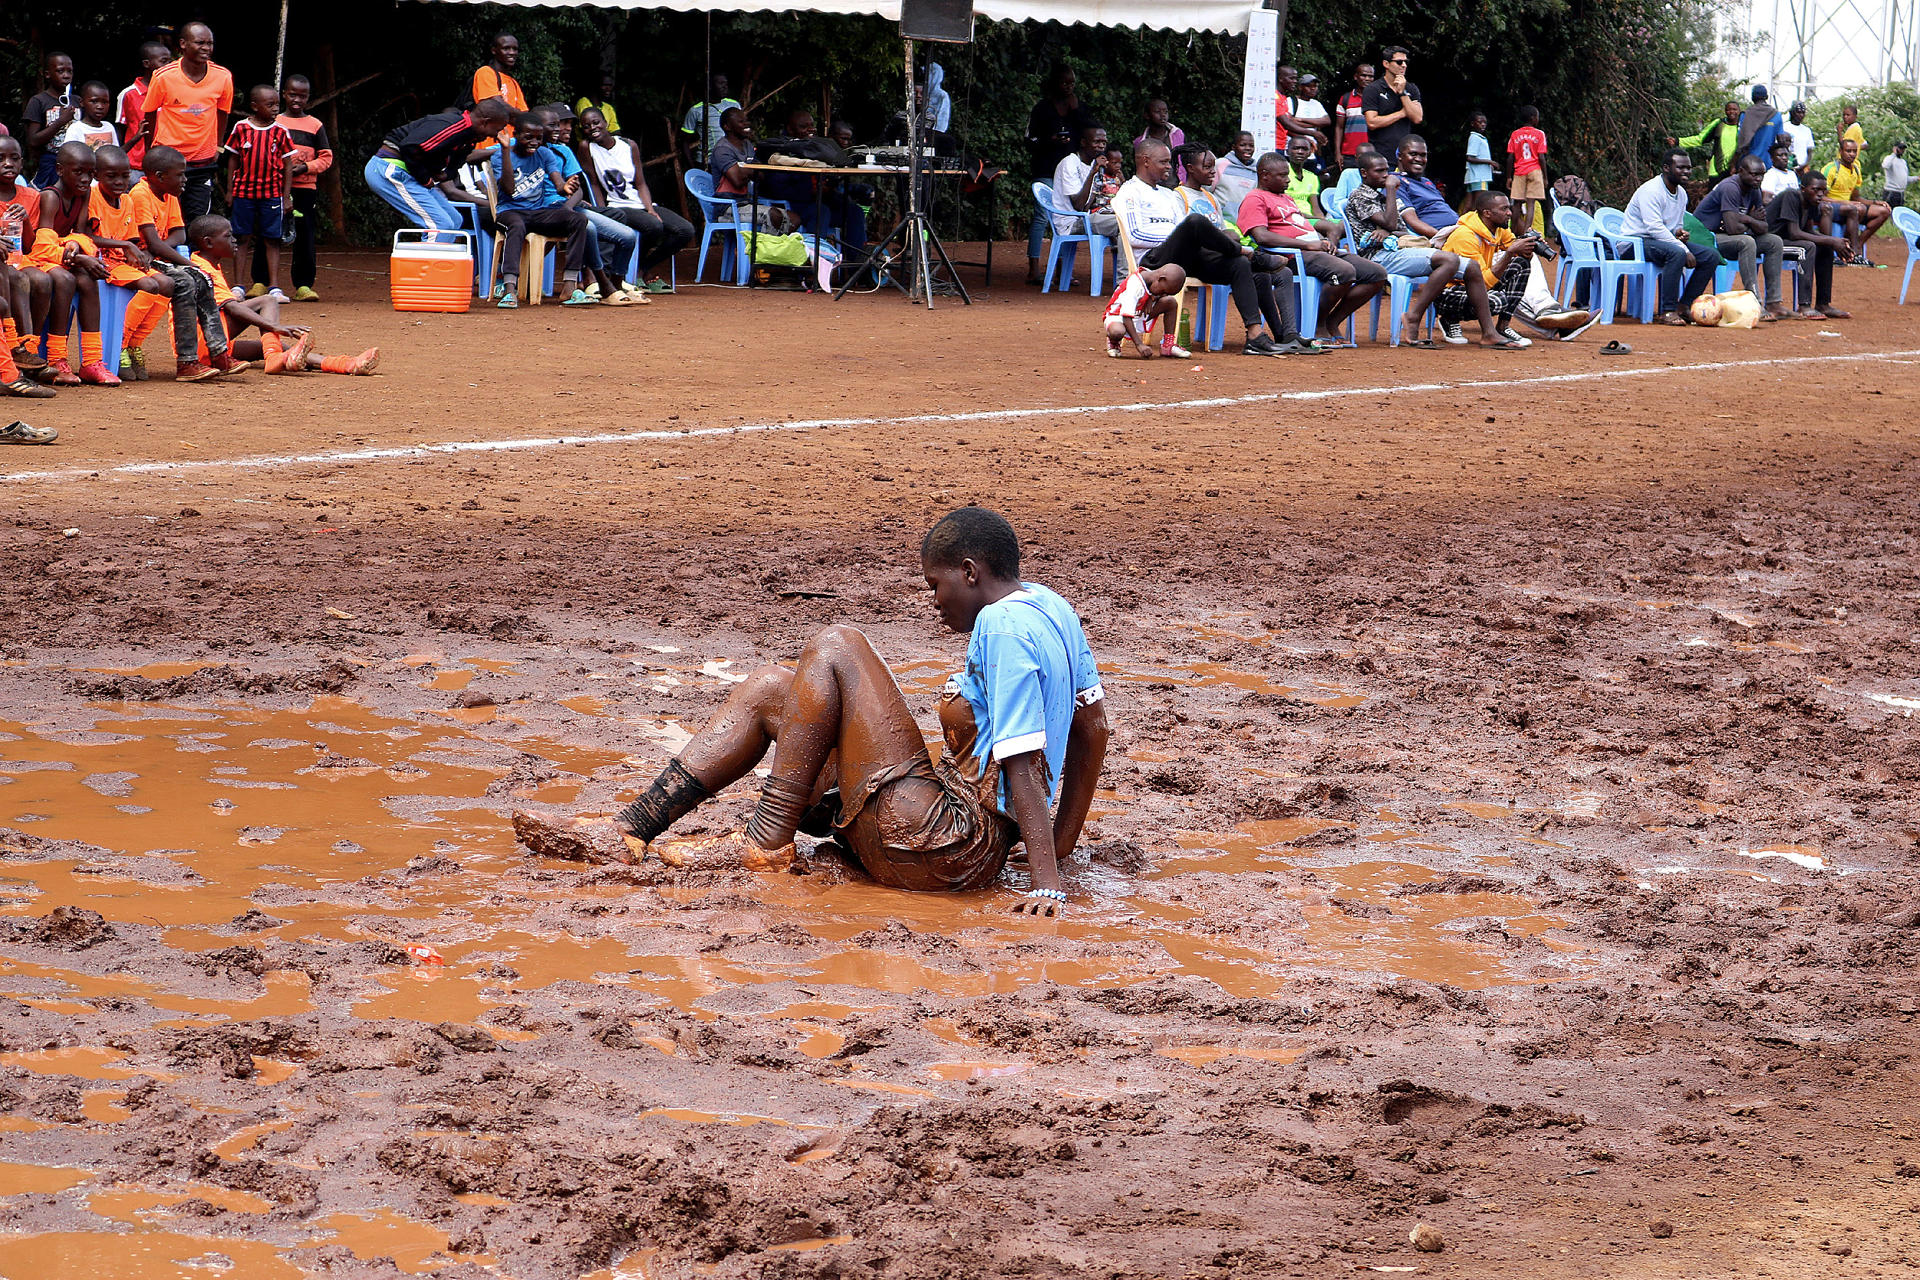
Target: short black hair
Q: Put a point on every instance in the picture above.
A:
(977, 534)
(1483, 200)
(162, 160)
(529, 120)
(1408, 141)
(493, 108)
(1272, 160)
(1392, 49)
(91, 85)
(204, 228)
(1666, 157)
(293, 78)
(1531, 115)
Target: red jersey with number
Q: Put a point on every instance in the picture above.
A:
(1526, 146)
(260, 154)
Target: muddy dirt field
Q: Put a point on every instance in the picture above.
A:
(1507, 829)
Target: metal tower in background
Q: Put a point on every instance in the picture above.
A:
(1819, 47)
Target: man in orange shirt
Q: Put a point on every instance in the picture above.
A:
(187, 106)
(495, 80)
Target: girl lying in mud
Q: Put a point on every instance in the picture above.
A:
(1026, 718)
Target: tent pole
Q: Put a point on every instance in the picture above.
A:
(280, 50)
(922, 285)
(706, 96)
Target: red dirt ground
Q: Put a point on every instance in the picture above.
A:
(1513, 764)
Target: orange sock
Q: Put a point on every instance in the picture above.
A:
(90, 352)
(270, 343)
(337, 364)
(9, 371)
(11, 332)
(143, 317)
(56, 347)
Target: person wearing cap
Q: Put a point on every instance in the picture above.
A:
(1285, 123)
(1309, 110)
(1894, 177)
(1800, 134)
(614, 242)
(1759, 126)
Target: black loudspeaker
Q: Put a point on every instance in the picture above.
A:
(950, 21)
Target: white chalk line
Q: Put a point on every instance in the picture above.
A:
(523, 444)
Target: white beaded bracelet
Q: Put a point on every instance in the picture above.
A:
(1056, 894)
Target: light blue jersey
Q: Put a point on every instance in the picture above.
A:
(1028, 668)
(1479, 162)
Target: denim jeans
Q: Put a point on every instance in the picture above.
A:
(610, 247)
(1670, 258)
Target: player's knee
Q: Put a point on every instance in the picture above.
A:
(841, 637)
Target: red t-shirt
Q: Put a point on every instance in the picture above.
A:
(1526, 146)
(1277, 213)
(133, 114)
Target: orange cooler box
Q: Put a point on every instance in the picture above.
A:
(431, 275)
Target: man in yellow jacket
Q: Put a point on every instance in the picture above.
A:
(1485, 237)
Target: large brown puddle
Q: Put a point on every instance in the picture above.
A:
(200, 809)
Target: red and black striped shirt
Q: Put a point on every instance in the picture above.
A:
(260, 154)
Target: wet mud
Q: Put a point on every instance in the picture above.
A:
(1513, 860)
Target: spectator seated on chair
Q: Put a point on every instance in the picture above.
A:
(1863, 217)
(1505, 262)
(1780, 172)
(1273, 280)
(1239, 171)
(62, 242)
(1383, 232)
(731, 181)
(1735, 211)
(1656, 217)
(1303, 184)
(825, 198)
(620, 191)
(1156, 223)
(1423, 206)
(1797, 216)
(1273, 219)
(528, 176)
(614, 243)
(1088, 178)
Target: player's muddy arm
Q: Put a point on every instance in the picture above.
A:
(1080, 775)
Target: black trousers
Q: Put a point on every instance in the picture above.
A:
(196, 197)
(1210, 254)
(660, 237)
(555, 220)
(1821, 286)
(1273, 290)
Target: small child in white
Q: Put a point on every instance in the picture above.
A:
(1144, 296)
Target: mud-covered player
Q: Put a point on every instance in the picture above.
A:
(1024, 724)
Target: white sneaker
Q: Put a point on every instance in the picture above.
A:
(1450, 333)
(278, 296)
(1516, 339)
(239, 294)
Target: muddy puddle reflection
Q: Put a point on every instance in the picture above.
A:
(184, 818)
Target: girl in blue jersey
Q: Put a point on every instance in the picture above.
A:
(1024, 725)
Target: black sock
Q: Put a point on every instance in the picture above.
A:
(673, 795)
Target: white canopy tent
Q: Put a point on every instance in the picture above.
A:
(1227, 16)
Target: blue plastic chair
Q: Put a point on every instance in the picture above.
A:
(1586, 253)
(113, 324)
(1907, 222)
(1400, 291)
(1068, 243)
(718, 223)
(1210, 315)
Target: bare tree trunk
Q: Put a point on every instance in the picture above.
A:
(330, 181)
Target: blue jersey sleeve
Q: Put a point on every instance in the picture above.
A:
(1016, 707)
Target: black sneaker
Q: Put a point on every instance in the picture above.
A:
(1261, 346)
(1452, 334)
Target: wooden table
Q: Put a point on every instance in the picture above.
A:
(990, 178)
